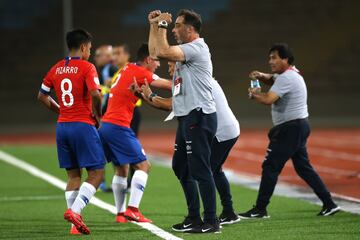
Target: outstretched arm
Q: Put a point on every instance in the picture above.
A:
(149, 97)
(162, 83)
(154, 100)
(265, 78)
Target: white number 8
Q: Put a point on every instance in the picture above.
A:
(66, 92)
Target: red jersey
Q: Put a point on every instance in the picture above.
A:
(72, 79)
(121, 100)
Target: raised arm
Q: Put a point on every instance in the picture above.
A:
(153, 20)
(162, 47)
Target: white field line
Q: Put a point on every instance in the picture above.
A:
(31, 198)
(336, 141)
(252, 181)
(5, 157)
(318, 151)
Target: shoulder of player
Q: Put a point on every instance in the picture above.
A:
(138, 68)
(86, 64)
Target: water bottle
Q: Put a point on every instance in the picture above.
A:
(255, 84)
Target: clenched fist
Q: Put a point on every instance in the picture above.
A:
(153, 16)
(165, 17)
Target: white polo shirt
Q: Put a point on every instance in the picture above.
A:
(228, 126)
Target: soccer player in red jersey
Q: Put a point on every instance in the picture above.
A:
(76, 85)
(120, 143)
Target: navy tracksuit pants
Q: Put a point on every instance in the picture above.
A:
(288, 140)
(191, 162)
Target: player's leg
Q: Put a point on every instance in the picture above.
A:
(112, 138)
(219, 154)
(181, 169)
(135, 126)
(119, 186)
(125, 149)
(138, 184)
(85, 142)
(72, 190)
(67, 160)
(304, 169)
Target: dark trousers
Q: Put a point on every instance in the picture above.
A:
(288, 140)
(191, 162)
(219, 154)
(136, 120)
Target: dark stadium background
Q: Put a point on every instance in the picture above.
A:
(324, 35)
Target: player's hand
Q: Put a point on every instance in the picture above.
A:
(165, 16)
(146, 90)
(135, 89)
(153, 16)
(256, 75)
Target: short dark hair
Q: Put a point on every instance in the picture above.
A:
(143, 52)
(284, 51)
(191, 18)
(124, 46)
(76, 37)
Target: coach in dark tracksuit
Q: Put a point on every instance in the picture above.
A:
(288, 97)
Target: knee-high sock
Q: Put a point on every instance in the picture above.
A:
(119, 186)
(70, 197)
(86, 192)
(138, 184)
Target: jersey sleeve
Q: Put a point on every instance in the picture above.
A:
(281, 86)
(47, 83)
(190, 50)
(149, 76)
(92, 79)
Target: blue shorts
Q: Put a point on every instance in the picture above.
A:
(121, 145)
(79, 146)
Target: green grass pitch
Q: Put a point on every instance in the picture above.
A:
(23, 217)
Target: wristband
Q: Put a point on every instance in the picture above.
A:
(151, 96)
(163, 24)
